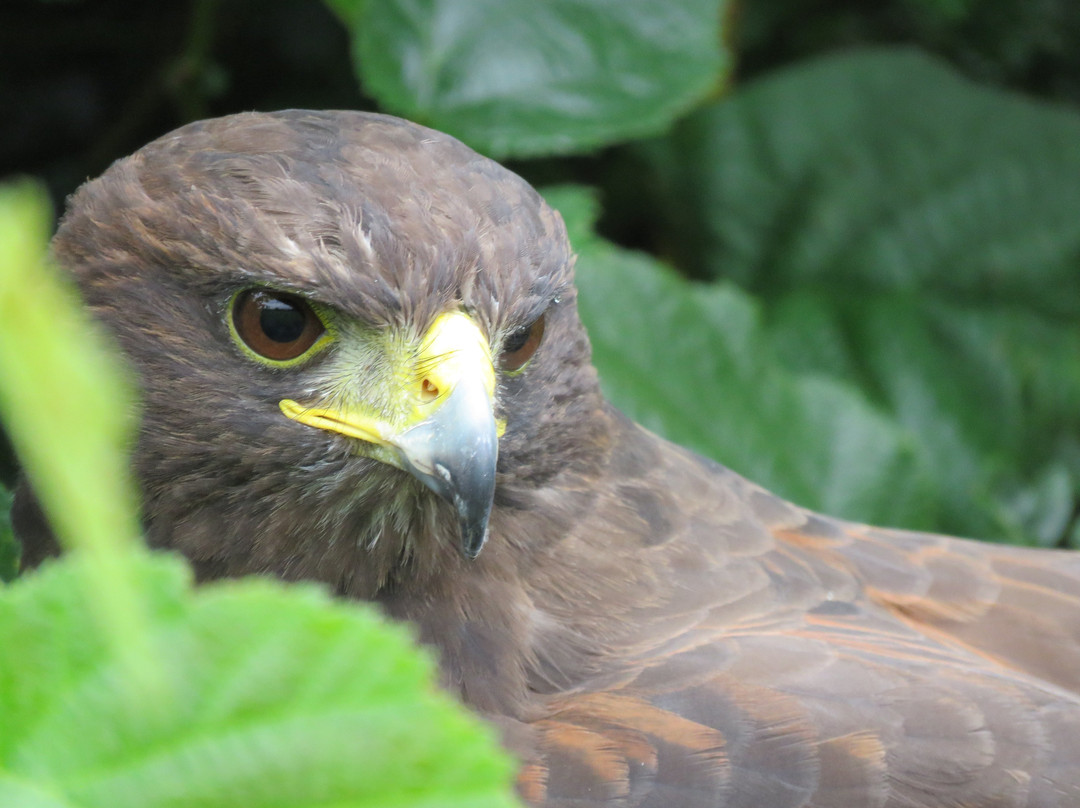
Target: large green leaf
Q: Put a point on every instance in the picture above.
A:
(520, 77)
(991, 393)
(272, 697)
(692, 362)
(880, 168)
(914, 233)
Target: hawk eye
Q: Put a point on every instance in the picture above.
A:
(520, 345)
(275, 325)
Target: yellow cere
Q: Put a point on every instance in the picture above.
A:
(453, 350)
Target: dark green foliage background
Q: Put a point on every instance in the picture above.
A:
(835, 245)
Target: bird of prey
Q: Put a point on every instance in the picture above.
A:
(361, 363)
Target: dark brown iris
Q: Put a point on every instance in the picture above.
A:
(276, 325)
(519, 346)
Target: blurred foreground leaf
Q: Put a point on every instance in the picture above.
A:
(68, 412)
(521, 78)
(277, 697)
(65, 402)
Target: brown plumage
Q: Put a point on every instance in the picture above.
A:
(646, 627)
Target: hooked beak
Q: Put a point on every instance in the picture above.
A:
(454, 453)
(449, 438)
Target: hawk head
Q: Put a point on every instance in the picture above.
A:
(353, 336)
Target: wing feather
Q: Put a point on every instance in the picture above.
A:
(757, 654)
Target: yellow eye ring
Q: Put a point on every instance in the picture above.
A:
(276, 328)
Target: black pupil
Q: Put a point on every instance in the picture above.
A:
(281, 320)
(516, 341)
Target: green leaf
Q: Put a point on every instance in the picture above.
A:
(275, 697)
(986, 390)
(914, 234)
(518, 77)
(67, 409)
(64, 399)
(692, 362)
(882, 169)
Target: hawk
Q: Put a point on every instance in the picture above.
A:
(361, 363)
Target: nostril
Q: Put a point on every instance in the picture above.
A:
(429, 391)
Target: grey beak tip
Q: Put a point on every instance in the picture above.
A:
(473, 522)
(454, 453)
(472, 545)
